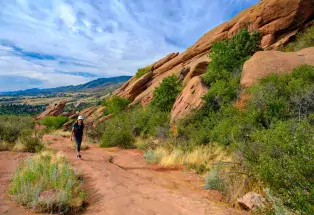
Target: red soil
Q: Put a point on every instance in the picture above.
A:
(119, 182)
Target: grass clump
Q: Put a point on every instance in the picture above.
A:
(166, 94)
(115, 105)
(53, 122)
(303, 40)
(213, 181)
(46, 183)
(142, 71)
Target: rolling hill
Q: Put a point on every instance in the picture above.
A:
(94, 85)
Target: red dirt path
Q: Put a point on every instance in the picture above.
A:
(119, 182)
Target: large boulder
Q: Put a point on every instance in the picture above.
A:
(268, 62)
(276, 22)
(189, 99)
(54, 109)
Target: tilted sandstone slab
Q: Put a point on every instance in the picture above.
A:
(267, 62)
(54, 109)
(189, 99)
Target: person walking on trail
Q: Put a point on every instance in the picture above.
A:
(77, 132)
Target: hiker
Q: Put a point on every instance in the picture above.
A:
(77, 132)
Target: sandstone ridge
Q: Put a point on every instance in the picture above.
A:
(276, 20)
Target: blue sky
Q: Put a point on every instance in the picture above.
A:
(49, 43)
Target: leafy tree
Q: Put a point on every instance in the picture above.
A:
(166, 94)
(228, 57)
(115, 105)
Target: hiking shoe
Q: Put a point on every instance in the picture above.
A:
(79, 156)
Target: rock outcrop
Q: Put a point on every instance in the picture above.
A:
(91, 115)
(276, 20)
(54, 109)
(251, 201)
(266, 62)
(189, 99)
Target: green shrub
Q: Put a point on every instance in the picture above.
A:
(46, 183)
(166, 94)
(117, 133)
(281, 156)
(303, 40)
(121, 129)
(11, 127)
(53, 122)
(228, 56)
(213, 181)
(115, 105)
(223, 75)
(150, 157)
(282, 97)
(142, 71)
(31, 141)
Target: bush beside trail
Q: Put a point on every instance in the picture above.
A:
(46, 183)
(18, 133)
(53, 122)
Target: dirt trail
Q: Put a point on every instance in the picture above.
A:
(119, 182)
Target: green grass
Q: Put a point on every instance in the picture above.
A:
(46, 183)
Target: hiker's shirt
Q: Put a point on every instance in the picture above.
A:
(78, 130)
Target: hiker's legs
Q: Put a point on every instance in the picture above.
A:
(78, 142)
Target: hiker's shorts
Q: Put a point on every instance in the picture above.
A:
(78, 142)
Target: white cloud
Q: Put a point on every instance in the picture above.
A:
(112, 37)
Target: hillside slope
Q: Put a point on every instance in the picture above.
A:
(276, 20)
(89, 86)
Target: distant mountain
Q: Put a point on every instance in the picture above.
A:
(94, 85)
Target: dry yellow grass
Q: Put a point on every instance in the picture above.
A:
(61, 133)
(230, 169)
(202, 155)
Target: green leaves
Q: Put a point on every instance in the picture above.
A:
(53, 122)
(223, 75)
(115, 105)
(142, 71)
(166, 94)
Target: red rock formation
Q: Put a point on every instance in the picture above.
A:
(189, 99)
(54, 109)
(267, 62)
(276, 20)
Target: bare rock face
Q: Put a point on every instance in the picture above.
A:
(189, 99)
(198, 69)
(251, 201)
(54, 109)
(276, 20)
(164, 60)
(94, 116)
(268, 62)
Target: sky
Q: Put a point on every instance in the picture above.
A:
(50, 43)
